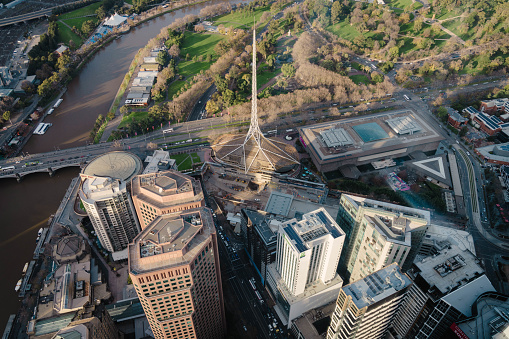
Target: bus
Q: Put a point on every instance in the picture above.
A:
(59, 101)
(406, 97)
(169, 130)
(9, 168)
(251, 281)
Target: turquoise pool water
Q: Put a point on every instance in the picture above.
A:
(370, 132)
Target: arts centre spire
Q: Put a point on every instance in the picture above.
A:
(253, 152)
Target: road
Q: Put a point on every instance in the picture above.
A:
(236, 271)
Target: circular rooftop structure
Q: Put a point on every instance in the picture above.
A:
(116, 165)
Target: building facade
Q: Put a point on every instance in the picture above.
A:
(378, 234)
(444, 288)
(174, 267)
(164, 192)
(109, 207)
(304, 273)
(366, 308)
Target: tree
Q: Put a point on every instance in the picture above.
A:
(63, 61)
(28, 87)
(87, 27)
(442, 112)
(417, 24)
(174, 52)
(377, 77)
(7, 116)
(337, 11)
(124, 110)
(288, 70)
(463, 131)
(162, 58)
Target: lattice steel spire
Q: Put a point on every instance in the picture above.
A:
(254, 152)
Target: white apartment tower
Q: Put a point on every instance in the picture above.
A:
(109, 206)
(366, 308)
(307, 255)
(378, 234)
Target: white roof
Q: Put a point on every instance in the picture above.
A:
(463, 298)
(115, 20)
(335, 137)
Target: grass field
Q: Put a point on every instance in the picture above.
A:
(453, 25)
(78, 22)
(87, 10)
(265, 75)
(197, 44)
(241, 19)
(183, 161)
(360, 79)
(65, 34)
(136, 116)
(402, 4)
(344, 30)
(174, 88)
(196, 158)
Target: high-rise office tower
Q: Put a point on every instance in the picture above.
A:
(174, 267)
(445, 286)
(378, 234)
(111, 212)
(164, 192)
(304, 273)
(365, 308)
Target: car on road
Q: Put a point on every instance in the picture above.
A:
(245, 329)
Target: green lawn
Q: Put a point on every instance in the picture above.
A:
(360, 79)
(197, 44)
(78, 22)
(65, 34)
(453, 25)
(356, 65)
(183, 161)
(344, 30)
(265, 75)
(174, 88)
(136, 116)
(130, 2)
(241, 19)
(196, 158)
(87, 10)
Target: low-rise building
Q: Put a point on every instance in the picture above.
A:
(497, 154)
(455, 119)
(494, 105)
(489, 124)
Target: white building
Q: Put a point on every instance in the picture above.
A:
(304, 275)
(378, 234)
(111, 211)
(366, 308)
(444, 288)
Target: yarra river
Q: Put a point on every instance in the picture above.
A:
(26, 206)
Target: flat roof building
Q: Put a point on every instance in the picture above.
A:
(164, 192)
(362, 140)
(391, 233)
(304, 275)
(366, 308)
(449, 281)
(174, 267)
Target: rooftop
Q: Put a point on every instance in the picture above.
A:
(279, 203)
(170, 240)
(166, 188)
(262, 222)
(496, 152)
(403, 125)
(115, 20)
(154, 159)
(331, 140)
(99, 188)
(314, 323)
(449, 268)
(116, 165)
(490, 121)
(377, 286)
(415, 218)
(313, 225)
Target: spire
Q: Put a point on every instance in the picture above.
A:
(254, 128)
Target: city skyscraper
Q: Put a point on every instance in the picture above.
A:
(174, 267)
(304, 273)
(111, 212)
(445, 285)
(365, 308)
(164, 192)
(253, 152)
(378, 234)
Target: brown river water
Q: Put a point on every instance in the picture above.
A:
(25, 206)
